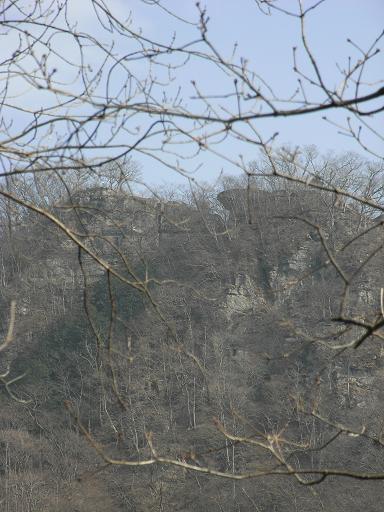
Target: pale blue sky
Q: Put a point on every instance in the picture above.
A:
(265, 41)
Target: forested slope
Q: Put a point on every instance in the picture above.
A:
(210, 319)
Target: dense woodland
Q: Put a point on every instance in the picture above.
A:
(206, 345)
(215, 331)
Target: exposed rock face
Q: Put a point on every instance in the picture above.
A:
(282, 240)
(244, 296)
(252, 205)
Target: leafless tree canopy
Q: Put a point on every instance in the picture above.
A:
(226, 337)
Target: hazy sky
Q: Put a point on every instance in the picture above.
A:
(265, 41)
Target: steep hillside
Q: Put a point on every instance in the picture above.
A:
(225, 311)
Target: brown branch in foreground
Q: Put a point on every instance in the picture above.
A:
(321, 473)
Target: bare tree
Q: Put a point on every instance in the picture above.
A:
(91, 102)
